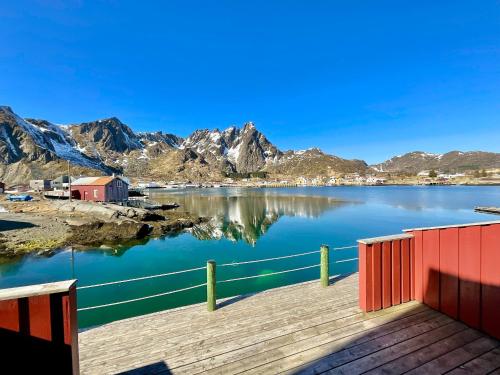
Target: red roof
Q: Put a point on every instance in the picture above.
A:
(94, 181)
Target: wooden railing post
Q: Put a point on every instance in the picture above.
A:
(324, 275)
(211, 292)
(40, 321)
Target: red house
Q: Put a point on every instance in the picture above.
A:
(100, 189)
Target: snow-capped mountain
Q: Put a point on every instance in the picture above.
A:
(151, 139)
(237, 150)
(454, 161)
(31, 148)
(39, 141)
(109, 145)
(104, 139)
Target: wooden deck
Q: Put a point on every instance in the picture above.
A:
(297, 329)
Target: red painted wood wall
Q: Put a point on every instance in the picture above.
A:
(40, 333)
(86, 193)
(458, 273)
(455, 270)
(114, 191)
(385, 272)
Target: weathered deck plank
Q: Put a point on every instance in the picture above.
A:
(428, 353)
(485, 363)
(247, 320)
(302, 328)
(457, 357)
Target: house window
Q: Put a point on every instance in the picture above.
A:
(96, 192)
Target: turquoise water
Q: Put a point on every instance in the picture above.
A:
(248, 224)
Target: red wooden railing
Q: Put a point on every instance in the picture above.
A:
(38, 328)
(453, 269)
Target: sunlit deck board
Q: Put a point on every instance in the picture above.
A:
(297, 329)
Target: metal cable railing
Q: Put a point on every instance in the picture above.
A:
(346, 247)
(140, 278)
(268, 274)
(267, 259)
(346, 260)
(211, 279)
(140, 298)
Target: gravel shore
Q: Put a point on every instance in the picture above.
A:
(41, 225)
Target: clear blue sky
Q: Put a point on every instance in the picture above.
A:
(360, 79)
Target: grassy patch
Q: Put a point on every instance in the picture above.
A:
(35, 245)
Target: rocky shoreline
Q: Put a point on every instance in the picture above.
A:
(42, 226)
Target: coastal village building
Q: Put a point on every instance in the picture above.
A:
(19, 188)
(100, 189)
(40, 185)
(374, 180)
(301, 180)
(62, 182)
(148, 185)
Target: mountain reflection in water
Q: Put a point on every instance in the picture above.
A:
(246, 217)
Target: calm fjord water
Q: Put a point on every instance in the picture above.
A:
(248, 224)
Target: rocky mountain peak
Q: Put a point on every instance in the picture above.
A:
(248, 126)
(237, 149)
(105, 135)
(35, 144)
(153, 138)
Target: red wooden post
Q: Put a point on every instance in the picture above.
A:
(412, 269)
(418, 277)
(386, 274)
(365, 277)
(396, 272)
(405, 271)
(377, 276)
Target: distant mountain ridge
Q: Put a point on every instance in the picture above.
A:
(34, 148)
(453, 161)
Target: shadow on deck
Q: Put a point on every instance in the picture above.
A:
(301, 328)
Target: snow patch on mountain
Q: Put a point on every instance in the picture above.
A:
(33, 132)
(6, 137)
(63, 145)
(233, 153)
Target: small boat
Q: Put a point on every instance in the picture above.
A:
(19, 198)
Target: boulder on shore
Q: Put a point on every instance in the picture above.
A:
(99, 232)
(107, 211)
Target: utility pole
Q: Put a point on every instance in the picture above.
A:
(72, 262)
(69, 180)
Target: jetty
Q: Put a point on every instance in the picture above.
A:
(488, 210)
